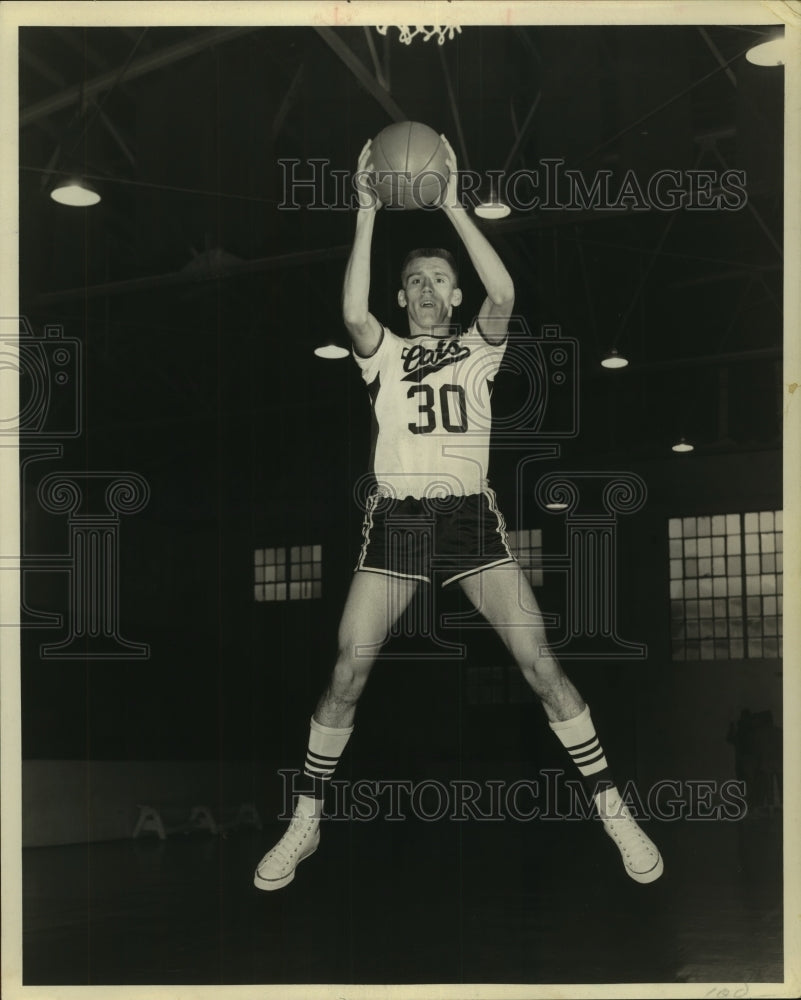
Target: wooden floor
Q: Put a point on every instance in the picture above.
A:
(408, 902)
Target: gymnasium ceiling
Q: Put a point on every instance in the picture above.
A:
(182, 131)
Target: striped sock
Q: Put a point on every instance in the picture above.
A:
(326, 745)
(578, 737)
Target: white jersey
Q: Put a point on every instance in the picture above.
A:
(431, 412)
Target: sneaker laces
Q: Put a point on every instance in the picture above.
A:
(285, 851)
(634, 845)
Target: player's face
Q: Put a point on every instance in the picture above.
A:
(429, 294)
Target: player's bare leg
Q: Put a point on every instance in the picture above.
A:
(503, 595)
(374, 603)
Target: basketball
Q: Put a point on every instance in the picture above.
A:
(410, 161)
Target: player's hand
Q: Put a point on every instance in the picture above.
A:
(365, 173)
(451, 197)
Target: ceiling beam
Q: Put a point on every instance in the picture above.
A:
(140, 67)
(362, 74)
(190, 277)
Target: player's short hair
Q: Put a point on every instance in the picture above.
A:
(430, 252)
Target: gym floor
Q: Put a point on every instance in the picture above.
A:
(410, 902)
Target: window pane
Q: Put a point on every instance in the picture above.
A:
(733, 523)
(305, 571)
(768, 542)
(691, 546)
(703, 526)
(677, 610)
(307, 552)
(768, 563)
(778, 520)
(691, 567)
(707, 629)
(721, 649)
(733, 545)
(269, 592)
(269, 555)
(771, 648)
(721, 629)
(768, 584)
(317, 552)
(675, 549)
(719, 546)
(754, 628)
(269, 574)
(769, 626)
(674, 527)
(733, 565)
(294, 553)
(280, 592)
(779, 562)
(691, 609)
(258, 593)
(259, 577)
(693, 630)
(718, 566)
(280, 572)
(676, 589)
(705, 587)
(704, 546)
(751, 565)
(705, 609)
(753, 606)
(675, 569)
(755, 648)
(719, 524)
(736, 649)
(294, 590)
(691, 588)
(735, 585)
(707, 649)
(258, 556)
(704, 567)
(688, 524)
(766, 520)
(735, 627)
(751, 522)
(752, 543)
(720, 586)
(294, 572)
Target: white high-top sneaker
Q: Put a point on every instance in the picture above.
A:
(277, 868)
(641, 857)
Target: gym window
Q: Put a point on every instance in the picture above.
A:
(288, 573)
(527, 546)
(726, 586)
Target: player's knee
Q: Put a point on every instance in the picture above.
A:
(540, 670)
(351, 672)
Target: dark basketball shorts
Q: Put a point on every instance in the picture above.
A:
(450, 537)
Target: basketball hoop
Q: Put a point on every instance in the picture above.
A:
(409, 31)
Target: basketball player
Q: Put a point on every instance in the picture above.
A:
(430, 393)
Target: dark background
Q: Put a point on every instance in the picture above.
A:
(197, 304)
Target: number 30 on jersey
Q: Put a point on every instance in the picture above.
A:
(452, 409)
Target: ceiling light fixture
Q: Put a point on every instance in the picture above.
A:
(331, 351)
(492, 209)
(682, 446)
(76, 192)
(556, 506)
(614, 360)
(771, 52)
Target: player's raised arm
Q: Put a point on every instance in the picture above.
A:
(493, 318)
(364, 328)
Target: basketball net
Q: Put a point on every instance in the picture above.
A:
(409, 31)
